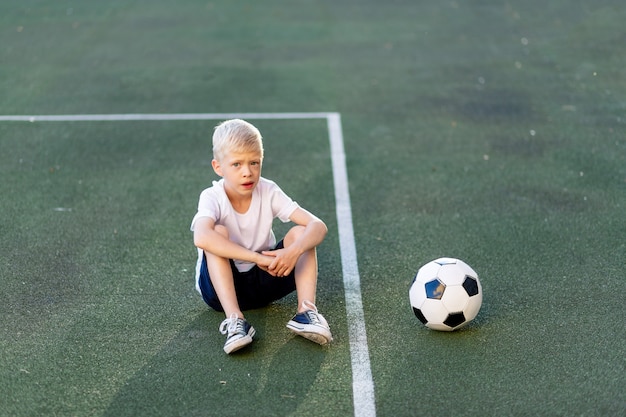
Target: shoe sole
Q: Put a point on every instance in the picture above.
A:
(312, 335)
(240, 343)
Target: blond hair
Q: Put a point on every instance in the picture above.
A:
(236, 135)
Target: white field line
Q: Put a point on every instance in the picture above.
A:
(158, 116)
(362, 381)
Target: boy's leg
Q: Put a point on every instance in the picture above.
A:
(307, 322)
(221, 276)
(305, 271)
(238, 330)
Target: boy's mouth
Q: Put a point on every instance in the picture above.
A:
(248, 184)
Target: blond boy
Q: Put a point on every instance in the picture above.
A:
(240, 264)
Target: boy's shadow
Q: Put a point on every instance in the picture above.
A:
(191, 374)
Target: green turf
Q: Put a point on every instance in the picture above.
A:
(489, 131)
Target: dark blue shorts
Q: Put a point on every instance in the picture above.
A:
(255, 288)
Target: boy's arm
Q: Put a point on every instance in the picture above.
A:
(314, 233)
(207, 238)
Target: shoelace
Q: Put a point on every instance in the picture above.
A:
(231, 325)
(311, 312)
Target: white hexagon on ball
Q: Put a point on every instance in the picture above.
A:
(446, 294)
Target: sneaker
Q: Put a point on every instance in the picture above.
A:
(239, 332)
(311, 325)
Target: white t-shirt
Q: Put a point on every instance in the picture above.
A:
(253, 229)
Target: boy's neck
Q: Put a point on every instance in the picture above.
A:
(240, 204)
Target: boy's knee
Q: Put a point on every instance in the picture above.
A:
(222, 230)
(293, 234)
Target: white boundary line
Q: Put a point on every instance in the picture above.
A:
(362, 381)
(158, 116)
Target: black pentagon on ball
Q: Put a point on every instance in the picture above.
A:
(471, 285)
(419, 315)
(434, 289)
(454, 319)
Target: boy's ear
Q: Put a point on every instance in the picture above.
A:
(216, 167)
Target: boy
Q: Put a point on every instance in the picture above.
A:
(240, 264)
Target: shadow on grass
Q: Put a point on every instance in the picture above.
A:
(192, 375)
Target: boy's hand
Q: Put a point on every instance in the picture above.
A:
(264, 261)
(283, 261)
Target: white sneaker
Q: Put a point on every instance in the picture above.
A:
(240, 333)
(311, 325)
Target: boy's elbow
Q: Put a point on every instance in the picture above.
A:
(323, 228)
(198, 240)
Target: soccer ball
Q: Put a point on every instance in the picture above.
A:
(446, 294)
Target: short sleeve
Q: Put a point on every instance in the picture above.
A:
(282, 205)
(208, 205)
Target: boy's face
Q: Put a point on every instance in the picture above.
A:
(241, 171)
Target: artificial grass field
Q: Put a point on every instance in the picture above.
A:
(488, 131)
